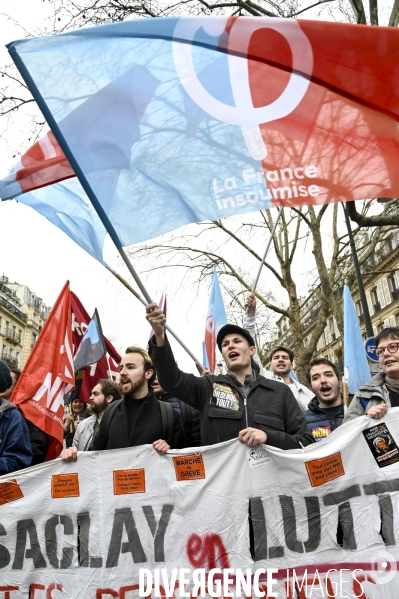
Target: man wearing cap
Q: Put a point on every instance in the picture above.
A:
(239, 404)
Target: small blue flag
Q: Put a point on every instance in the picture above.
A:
(357, 371)
(215, 320)
(92, 347)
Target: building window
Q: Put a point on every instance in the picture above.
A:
(11, 352)
(4, 352)
(17, 358)
(375, 300)
(394, 279)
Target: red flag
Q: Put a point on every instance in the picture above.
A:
(48, 375)
(43, 164)
(107, 367)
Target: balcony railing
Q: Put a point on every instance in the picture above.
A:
(9, 359)
(12, 335)
(377, 307)
(11, 308)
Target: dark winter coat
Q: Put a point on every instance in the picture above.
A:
(147, 427)
(192, 430)
(320, 422)
(39, 443)
(15, 449)
(269, 405)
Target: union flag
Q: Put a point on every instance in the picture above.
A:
(48, 375)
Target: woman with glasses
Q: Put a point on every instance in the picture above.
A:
(382, 391)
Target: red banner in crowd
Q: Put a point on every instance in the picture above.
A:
(48, 374)
(107, 367)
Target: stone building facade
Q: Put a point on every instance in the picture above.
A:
(22, 316)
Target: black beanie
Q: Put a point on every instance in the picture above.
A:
(5, 377)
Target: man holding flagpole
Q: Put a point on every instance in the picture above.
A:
(241, 404)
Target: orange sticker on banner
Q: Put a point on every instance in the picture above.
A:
(326, 469)
(189, 467)
(64, 485)
(129, 481)
(10, 491)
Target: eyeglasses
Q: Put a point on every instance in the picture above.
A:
(392, 349)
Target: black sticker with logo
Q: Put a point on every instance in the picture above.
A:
(382, 445)
(224, 397)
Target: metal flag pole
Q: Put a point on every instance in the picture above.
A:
(267, 248)
(362, 293)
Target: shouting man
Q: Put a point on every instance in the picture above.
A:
(240, 404)
(326, 411)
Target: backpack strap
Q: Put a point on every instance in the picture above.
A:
(186, 415)
(168, 422)
(109, 414)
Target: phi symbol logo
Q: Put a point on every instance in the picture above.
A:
(244, 114)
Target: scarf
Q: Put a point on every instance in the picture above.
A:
(392, 384)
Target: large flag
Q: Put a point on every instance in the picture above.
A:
(357, 371)
(48, 374)
(67, 206)
(216, 318)
(92, 347)
(201, 118)
(106, 368)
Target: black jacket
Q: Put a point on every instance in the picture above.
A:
(322, 423)
(39, 443)
(191, 430)
(147, 427)
(270, 405)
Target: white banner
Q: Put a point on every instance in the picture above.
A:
(86, 529)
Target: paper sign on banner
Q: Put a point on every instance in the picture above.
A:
(10, 492)
(64, 485)
(189, 467)
(129, 481)
(325, 470)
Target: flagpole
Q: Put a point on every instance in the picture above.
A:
(362, 293)
(144, 302)
(267, 248)
(109, 367)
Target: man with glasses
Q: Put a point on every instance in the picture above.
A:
(382, 391)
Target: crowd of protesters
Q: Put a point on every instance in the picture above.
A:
(157, 403)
